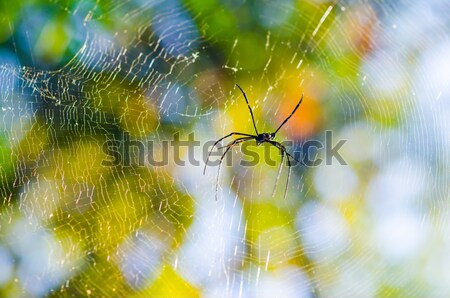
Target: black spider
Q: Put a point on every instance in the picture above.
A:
(259, 138)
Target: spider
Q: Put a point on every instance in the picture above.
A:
(260, 138)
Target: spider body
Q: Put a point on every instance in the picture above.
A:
(260, 138)
(264, 137)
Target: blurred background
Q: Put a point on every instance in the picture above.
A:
(75, 74)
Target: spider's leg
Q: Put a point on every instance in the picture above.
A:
(288, 156)
(228, 135)
(250, 109)
(229, 146)
(279, 172)
(282, 147)
(286, 120)
(236, 142)
(288, 177)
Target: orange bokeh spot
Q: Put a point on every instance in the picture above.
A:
(306, 120)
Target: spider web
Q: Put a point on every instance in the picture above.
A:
(372, 72)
